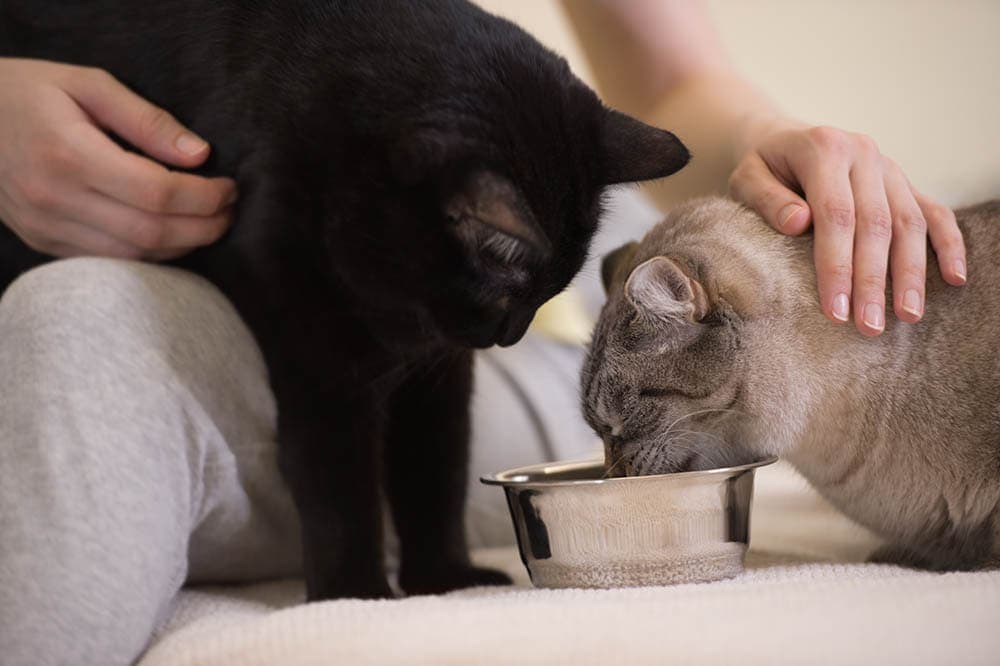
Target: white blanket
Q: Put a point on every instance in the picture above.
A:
(806, 598)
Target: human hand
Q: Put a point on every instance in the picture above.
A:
(866, 215)
(67, 189)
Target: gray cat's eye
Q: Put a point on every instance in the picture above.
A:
(659, 393)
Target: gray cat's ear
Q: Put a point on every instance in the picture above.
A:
(488, 211)
(661, 289)
(633, 151)
(612, 263)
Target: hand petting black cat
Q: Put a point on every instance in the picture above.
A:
(415, 180)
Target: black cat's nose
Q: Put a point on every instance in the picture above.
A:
(513, 327)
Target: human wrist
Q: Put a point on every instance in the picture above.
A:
(752, 127)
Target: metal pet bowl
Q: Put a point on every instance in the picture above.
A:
(576, 529)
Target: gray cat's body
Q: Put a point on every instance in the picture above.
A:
(712, 350)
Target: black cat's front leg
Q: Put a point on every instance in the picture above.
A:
(330, 463)
(427, 468)
(319, 359)
(329, 441)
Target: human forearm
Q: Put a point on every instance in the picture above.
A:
(664, 63)
(716, 114)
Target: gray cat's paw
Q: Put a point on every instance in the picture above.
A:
(892, 554)
(932, 559)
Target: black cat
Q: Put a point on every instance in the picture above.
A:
(416, 178)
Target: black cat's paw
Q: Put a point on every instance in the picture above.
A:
(445, 579)
(349, 588)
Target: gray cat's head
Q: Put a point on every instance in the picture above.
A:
(690, 361)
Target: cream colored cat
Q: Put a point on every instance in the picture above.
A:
(711, 351)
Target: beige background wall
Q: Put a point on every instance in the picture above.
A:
(919, 76)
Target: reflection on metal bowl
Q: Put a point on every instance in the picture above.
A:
(577, 529)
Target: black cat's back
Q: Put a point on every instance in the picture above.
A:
(161, 49)
(415, 179)
(323, 80)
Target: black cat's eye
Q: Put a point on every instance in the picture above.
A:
(490, 244)
(505, 248)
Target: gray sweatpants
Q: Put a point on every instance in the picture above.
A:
(137, 453)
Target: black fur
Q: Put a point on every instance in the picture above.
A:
(416, 178)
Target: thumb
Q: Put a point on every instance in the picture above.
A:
(144, 125)
(753, 183)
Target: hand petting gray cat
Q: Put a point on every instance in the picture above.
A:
(710, 351)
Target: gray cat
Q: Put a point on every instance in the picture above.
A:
(712, 351)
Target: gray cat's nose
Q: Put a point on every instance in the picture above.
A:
(618, 446)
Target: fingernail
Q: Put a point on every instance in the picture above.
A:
(787, 213)
(841, 307)
(911, 302)
(190, 144)
(874, 317)
(960, 269)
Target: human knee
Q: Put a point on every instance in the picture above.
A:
(105, 306)
(64, 294)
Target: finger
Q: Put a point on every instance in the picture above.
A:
(946, 239)
(828, 189)
(168, 254)
(144, 125)
(144, 184)
(908, 253)
(872, 238)
(68, 238)
(149, 232)
(753, 183)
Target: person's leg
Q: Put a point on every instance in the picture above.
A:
(136, 432)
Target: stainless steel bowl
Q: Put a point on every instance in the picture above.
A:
(576, 529)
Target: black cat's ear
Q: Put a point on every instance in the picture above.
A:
(612, 263)
(490, 212)
(633, 151)
(662, 290)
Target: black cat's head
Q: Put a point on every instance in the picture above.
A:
(482, 188)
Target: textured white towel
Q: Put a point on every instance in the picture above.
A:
(804, 599)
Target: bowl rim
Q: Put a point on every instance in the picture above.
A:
(507, 478)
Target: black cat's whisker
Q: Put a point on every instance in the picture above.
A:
(396, 374)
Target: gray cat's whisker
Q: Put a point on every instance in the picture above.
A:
(702, 411)
(704, 433)
(716, 313)
(615, 464)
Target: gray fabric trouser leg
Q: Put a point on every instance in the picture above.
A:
(136, 452)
